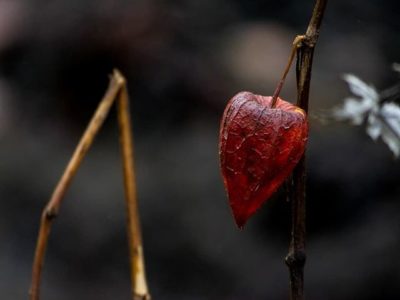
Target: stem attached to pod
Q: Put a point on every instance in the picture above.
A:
(296, 42)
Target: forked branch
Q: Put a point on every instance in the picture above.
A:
(116, 90)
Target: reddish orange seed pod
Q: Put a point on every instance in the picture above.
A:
(258, 146)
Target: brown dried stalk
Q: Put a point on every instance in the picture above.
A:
(296, 257)
(116, 90)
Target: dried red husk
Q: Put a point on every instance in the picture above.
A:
(258, 146)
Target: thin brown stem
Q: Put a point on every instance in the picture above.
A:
(50, 212)
(296, 257)
(298, 39)
(138, 276)
(116, 89)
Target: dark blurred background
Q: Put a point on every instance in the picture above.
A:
(183, 61)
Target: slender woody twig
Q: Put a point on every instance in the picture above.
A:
(296, 257)
(116, 88)
(138, 276)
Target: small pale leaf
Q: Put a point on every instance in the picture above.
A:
(374, 127)
(391, 113)
(354, 110)
(392, 141)
(360, 88)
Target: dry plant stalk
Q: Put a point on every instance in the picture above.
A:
(117, 90)
(296, 257)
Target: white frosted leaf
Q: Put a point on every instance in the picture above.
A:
(391, 140)
(391, 113)
(360, 88)
(354, 110)
(374, 127)
(382, 120)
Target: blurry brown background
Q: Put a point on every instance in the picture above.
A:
(183, 61)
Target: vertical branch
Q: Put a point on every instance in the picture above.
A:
(296, 257)
(138, 276)
(50, 212)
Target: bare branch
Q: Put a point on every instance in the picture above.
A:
(138, 276)
(296, 257)
(116, 89)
